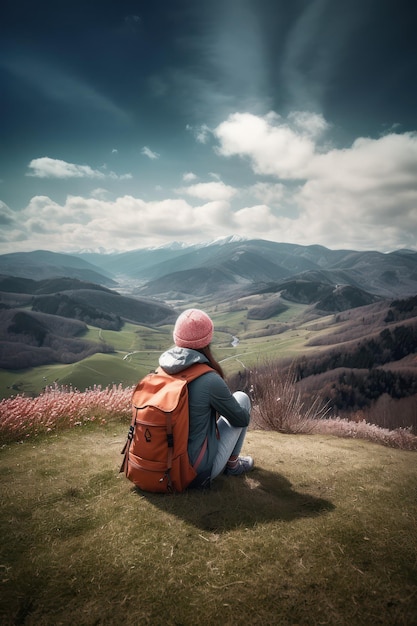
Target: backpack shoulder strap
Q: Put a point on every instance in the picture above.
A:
(189, 374)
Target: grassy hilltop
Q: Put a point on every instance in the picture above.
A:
(322, 532)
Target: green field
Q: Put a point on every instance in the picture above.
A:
(137, 349)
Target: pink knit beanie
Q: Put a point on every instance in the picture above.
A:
(193, 329)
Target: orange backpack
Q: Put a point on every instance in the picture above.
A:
(155, 453)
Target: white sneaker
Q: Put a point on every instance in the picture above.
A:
(243, 464)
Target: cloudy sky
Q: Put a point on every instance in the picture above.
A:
(135, 123)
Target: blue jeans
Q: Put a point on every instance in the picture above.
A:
(231, 437)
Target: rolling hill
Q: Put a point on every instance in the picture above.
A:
(93, 306)
(13, 284)
(29, 339)
(45, 321)
(42, 264)
(326, 297)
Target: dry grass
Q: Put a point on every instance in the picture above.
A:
(401, 438)
(321, 532)
(58, 408)
(278, 405)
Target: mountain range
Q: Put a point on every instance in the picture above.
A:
(223, 268)
(49, 303)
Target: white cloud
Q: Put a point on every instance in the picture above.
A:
(99, 193)
(201, 133)
(256, 219)
(271, 144)
(114, 176)
(46, 167)
(269, 193)
(189, 177)
(149, 153)
(310, 124)
(55, 168)
(7, 216)
(124, 223)
(344, 196)
(362, 196)
(209, 191)
(368, 191)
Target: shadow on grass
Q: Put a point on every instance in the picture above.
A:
(244, 501)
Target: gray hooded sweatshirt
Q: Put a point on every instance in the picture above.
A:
(207, 395)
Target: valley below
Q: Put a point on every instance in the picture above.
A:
(344, 321)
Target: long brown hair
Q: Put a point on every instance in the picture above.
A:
(214, 364)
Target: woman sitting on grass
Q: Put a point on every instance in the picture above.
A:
(209, 395)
